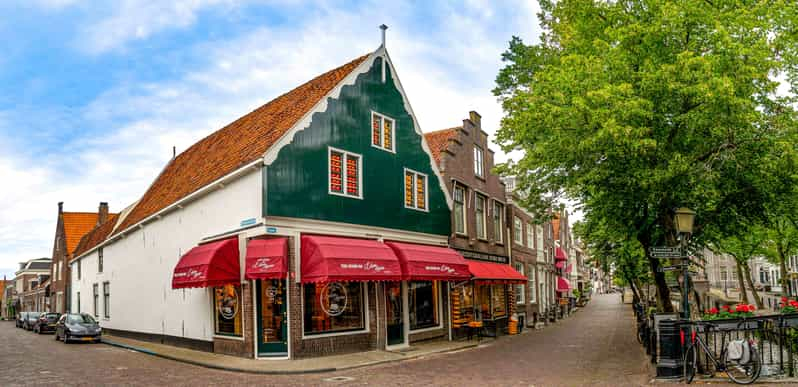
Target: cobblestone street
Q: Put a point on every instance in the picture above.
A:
(595, 346)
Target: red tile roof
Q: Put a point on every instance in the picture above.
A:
(235, 145)
(76, 225)
(439, 140)
(96, 235)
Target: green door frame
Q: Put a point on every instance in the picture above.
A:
(271, 348)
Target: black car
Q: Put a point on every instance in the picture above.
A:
(46, 322)
(30, 320)
(78, 327)
(19, 323)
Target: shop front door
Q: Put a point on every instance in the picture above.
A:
(272, 318)
(394, 314)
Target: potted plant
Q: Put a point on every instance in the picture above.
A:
(788, 308)
(739, 311)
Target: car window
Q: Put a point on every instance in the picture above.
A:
(52, 317)
(80, 319)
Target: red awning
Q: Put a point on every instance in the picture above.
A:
(569, 268)
(563, 285)
(559, 264)
(211, 264)
(326, 259)
(495, 273)
(267, 259)
(559, 254)
(430, 263)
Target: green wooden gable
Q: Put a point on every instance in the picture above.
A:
(296, 183)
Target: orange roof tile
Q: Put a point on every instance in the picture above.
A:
(235, 145)
(76, 225)
(96, 235)
(439, 140)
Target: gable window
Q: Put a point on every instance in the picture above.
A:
(479, 162)
(382, 132)
(415, 190)
(518, 236)
(345, 173)
(459, 210)
(519, 288)
(480, 210)
(100, 260)
(498, 221)
(530, 236)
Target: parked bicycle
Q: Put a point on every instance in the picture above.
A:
(740, 361)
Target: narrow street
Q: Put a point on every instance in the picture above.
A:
(595, 346)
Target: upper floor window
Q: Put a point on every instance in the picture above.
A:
(518, 232)
(530, 236)
(479, 162)
(415, 190)
(79, 274)
(498, 221)
(382, 132)
(481, 220)
(519, 288)
(345, 173)
(459, 209)
(100, 260)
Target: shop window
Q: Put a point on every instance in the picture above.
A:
(530, 275)
(518, 236)
(498, 221)
(228, 313)
(462, 300)
(382, 132)
(459, 210)
(520, 292)
(423, 303)
(333, 307)
(415, 190)
(499, 301)
(480, 211)
(345, 173)
(479, 162)
(96, 299)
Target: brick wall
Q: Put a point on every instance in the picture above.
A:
(238, 347)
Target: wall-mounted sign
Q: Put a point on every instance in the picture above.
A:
(248, 222)
(483, 256)
(271, 230)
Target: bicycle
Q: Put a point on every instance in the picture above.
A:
(738, 373)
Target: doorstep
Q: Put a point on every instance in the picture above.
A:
(298, 366)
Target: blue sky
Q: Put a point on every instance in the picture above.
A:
(93, 95)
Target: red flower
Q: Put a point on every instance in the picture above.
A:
(725, 307)
(741, 308)
(784, 299)
(713, 311)
(794, 303)
(751, 308)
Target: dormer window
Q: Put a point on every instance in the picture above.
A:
(382, 132)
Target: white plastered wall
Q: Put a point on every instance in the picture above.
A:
(139, 266)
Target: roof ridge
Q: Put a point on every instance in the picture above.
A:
(443, 130)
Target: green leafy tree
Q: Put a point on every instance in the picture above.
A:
(635, 108)
(746, 244)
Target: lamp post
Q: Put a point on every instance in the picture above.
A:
(684, 226)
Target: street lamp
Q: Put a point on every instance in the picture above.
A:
(684, 226)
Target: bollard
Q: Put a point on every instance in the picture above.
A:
(669, 364)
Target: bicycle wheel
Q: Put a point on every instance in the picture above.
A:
(744, 373)
(639, 334)
(689, 364)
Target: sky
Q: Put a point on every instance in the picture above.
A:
(94, 95)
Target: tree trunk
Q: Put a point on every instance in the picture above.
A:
(663, 293)
(785, 284)
(741, 282)
(757, 299)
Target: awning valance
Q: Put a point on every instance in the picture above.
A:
(267, 259)
(495, 273)
(559, 254)
(211, 264)
(430, 263)
(563, 285)
(326, 259)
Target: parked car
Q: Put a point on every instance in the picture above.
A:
(78, 326)
(20, 320)
(46, 322)
(30, 320)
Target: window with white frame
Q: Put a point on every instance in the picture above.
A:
(96, 299)
(415, 190)
(100, 260)
(481, 218)
(518, 226)
(107, 299)
(479, 162)
(498, 222)
(459, 209)
(530, 276)
(530, 236)
(382, 132)
(519, 288)
(345, 173)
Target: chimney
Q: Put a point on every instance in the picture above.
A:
(60, 207)
(102, 213)
(475, 118)
(383, 27)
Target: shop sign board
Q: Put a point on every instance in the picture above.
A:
(483, 256)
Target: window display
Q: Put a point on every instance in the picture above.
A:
(227, 310)
(333, 307)
(423, 303)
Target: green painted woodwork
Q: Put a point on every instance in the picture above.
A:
(296, 183)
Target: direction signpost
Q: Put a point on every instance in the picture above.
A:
(664, 252)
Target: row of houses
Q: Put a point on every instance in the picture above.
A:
(323, 222)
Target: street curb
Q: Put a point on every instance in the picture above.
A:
(277, 372)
